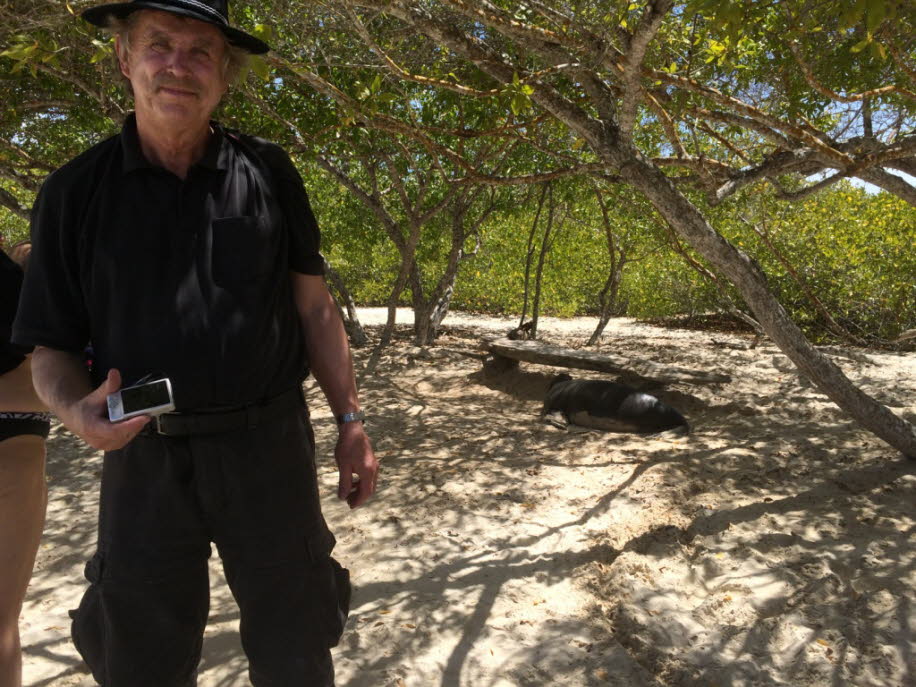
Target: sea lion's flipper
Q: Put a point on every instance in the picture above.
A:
(556, 418)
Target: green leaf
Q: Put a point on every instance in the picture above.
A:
(263, 31)
(519, 103)
(260, 67)
(860, 46)
(875, 14)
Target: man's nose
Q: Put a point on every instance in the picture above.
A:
(179, 62)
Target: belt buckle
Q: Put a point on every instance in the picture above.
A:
(156, 425)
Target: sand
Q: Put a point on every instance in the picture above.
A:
(774, 545)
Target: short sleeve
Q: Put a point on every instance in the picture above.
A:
(304, 236)
(52, 311)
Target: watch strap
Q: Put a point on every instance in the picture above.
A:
(357, 416)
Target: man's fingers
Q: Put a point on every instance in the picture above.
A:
(113, 381)
(111, 384)
(131, 428)
(110, 436)
(345, 485)
(358, 467)
(363, 488)
(359, 493)
(134, 425)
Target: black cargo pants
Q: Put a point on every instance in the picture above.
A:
(254, 494)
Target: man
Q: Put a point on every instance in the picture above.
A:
(180, 250)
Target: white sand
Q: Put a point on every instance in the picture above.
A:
(772, 546)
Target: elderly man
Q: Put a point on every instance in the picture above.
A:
(184, 251)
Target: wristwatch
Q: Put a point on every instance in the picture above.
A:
(358, 416)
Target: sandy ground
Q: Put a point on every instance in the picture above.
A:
(772, 546)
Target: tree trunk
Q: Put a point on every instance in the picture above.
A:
(440, 310)
(608, 300)
(355, 330)
(618, 259)
(832, 324)
(408, 251)
(529, 254)
(422, 307)
(725, 298)
(749, 279)
(429, 313)
(539, 274)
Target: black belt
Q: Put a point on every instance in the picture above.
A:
(246, 417)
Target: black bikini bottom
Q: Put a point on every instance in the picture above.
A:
(17, 424)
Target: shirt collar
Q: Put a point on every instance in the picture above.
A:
(215, 155)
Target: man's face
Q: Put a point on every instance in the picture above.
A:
(175, 67)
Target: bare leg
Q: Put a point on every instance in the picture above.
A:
(23, 499)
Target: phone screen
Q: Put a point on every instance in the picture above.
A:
(145, 396)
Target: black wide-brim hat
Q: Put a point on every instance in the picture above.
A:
(214, 12)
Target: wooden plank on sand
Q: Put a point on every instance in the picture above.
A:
(548, 354)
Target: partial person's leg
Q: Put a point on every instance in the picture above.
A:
(23, 498)
(276, 550)
(141, 622)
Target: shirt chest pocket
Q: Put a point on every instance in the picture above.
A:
(242, 248)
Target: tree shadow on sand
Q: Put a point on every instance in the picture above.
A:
(773, 491)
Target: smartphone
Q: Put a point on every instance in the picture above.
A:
(149, 398)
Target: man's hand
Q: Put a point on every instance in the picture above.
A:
(355, 456)
(88, 418)
(329, 358)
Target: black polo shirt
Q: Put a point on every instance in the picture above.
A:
(183, 278)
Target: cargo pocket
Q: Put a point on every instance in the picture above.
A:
(88, 626)
(333, 583)
(343, 591)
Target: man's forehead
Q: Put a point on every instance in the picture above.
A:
(157, 21)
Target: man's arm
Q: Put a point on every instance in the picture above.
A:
(62, 383)
(330, 362)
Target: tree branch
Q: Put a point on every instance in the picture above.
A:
(594, 169)
(646, 30)
(754, 113)
(783, 194)
(833, 95)
(9, 201)
(402, 73)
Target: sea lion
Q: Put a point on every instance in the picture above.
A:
(609, 406)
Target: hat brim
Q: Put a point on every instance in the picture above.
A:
(99, 16)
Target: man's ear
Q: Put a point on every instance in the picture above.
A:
(123, 62)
